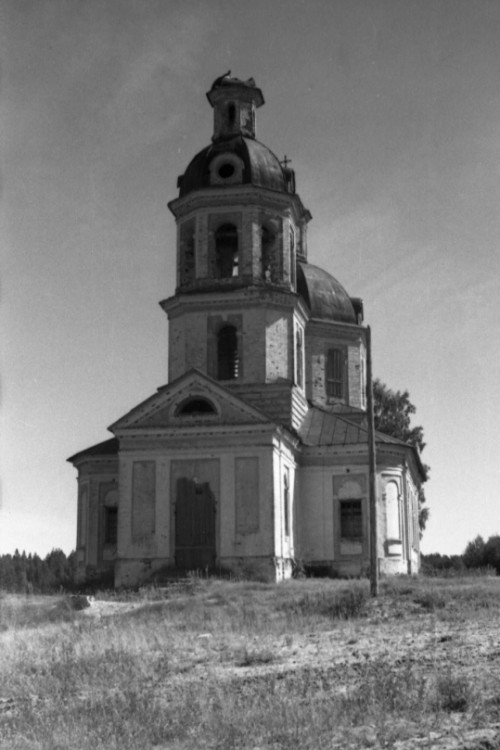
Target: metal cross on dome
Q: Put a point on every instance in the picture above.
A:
(286, 161)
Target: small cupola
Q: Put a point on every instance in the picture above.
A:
(234, 104)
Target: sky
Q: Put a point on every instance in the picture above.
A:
(390, 112)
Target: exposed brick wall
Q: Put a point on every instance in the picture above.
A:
(320, 337)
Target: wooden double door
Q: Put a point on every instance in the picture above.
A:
(195, 510)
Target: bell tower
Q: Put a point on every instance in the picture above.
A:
(241, 230)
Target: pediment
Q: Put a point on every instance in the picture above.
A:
(190, 401)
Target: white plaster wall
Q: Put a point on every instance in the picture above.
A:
(261, 542)
(315, 528)
(147, 547)
(229, 544)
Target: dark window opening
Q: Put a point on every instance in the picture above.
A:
(187, 249)
(293, 266)
(196, 406)
(335, 373)
(351, 521)
(286, 503)
(228, 361)
(231, 115)
(268, 239)
(300, 359)
(110, 525)
(226, 170)
(226, 251)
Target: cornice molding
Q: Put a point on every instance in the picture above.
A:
(251, 296)
(243, 196)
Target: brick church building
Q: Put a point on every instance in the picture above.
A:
(254, 456)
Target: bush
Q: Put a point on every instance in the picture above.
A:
(339, 604)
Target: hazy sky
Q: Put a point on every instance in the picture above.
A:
(390, 112)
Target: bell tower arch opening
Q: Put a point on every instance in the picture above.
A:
(269, 252)
(226, 251)
(228, 359)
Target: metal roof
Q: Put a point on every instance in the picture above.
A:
(107, 448)
(261, 167)
(325, 296)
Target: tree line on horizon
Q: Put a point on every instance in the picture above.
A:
(479, 555)
(30, 574)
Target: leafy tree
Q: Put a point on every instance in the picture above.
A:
(393, 411)
(492, 553)
(474, 555)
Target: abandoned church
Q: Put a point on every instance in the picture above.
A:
(254, 455)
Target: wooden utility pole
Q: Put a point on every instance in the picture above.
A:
(372, 468)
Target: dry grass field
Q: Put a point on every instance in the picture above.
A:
(220, 664)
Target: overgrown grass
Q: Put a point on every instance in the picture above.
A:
(204, 667)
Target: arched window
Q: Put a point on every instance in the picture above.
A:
(187, 252)
(226, 251)
(392, 511)
(111, 517)
(231, 114)
(194, 406)
(227, 353)
(293, 261)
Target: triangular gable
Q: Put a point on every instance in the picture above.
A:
(162, 409)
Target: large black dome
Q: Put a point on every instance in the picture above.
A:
(261, 167)
(325, 296)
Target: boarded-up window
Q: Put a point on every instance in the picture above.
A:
(335, 373)
(143, 499)
(351, 522)
(247, 495)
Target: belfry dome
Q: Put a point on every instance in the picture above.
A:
(324, 295)
(248, 162)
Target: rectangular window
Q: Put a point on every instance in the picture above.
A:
(363, 383)
(286, 500)
(335, 373)
(110, 525)
(351, 520)
(299, 358)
